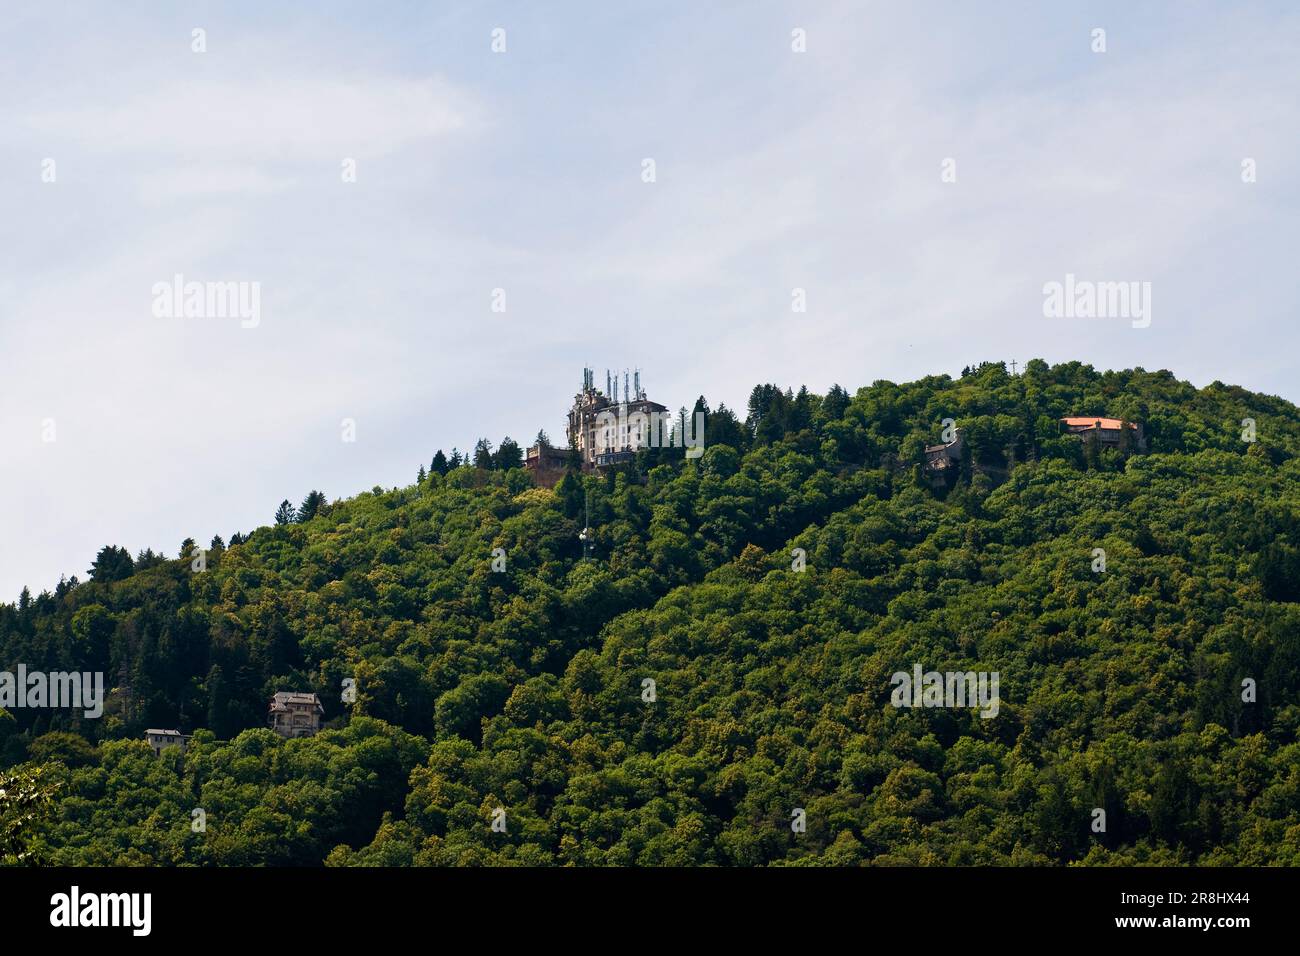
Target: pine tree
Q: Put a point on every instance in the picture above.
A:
(148, 559)
(218, 709)
(112, 564)
(508, 455)
(800, 411)
(285, 513)
(1092, 450)
(420, 476)
(835, 403)
(1125, 438)
(439, 465)
(311, 506)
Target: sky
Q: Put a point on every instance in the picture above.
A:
(442, 234)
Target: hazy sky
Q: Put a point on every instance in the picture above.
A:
(523, 171)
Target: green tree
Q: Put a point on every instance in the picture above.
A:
(310, 507)
(508, 455)
(26, 807)
(111, 564)
(285, 514)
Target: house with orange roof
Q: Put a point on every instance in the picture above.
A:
(1107, 430)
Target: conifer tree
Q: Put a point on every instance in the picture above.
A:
(311, 506)
(508, 455)
(285, 513)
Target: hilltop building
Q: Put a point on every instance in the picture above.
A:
(295, 714)
(942, 461)
(607, 428)
(160, 740)
(1107, 430)
(543, 457)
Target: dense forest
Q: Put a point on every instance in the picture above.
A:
(688, 662)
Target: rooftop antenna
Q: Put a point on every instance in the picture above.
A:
(625, 391)
(636, 379)
(608, 390)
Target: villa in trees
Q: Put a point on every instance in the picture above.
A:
(160, 740)
(295, 714)
(1109, 431)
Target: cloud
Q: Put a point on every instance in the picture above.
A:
(522, 171)
(277, 119)
(209, 180)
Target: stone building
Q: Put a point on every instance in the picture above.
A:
(606, 427)
(295, 714)
(543, 457)
(942, 461)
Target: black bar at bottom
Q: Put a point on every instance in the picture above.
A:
(330, 906)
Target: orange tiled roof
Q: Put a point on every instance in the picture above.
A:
(1087, 422)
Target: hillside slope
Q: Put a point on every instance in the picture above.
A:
(526, 689)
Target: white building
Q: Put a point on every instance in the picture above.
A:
(608, 429)
(160, 740)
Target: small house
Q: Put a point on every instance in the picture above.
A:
(295, 714)
(942, 460)
(160, 740)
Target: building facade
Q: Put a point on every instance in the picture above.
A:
(1107, 430)
(160, 740)
(608, 428)
(295, 714)
(605, 427)
(942, 461)
(543, 457)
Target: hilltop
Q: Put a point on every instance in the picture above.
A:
(768, 590)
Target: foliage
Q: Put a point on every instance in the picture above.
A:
(26, 802)
(524, 688)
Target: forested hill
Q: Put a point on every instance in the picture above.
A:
(527, 688)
